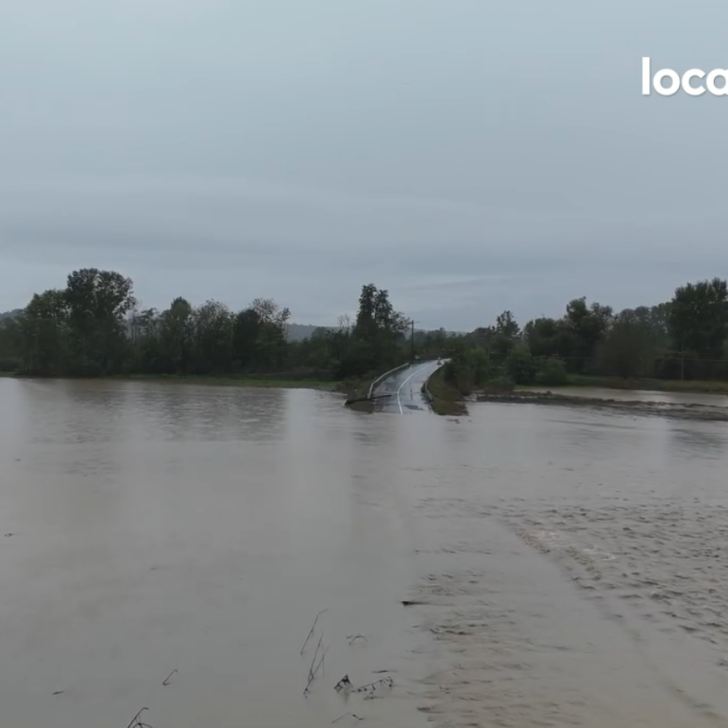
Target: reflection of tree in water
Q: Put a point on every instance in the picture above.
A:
(209, 414)
(75, 411)
(70, 487)
(371, 438)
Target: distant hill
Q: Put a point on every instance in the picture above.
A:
(11, 314)
(296, 332)
(299, 332)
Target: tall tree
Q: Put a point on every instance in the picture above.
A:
(176, 329)
(43, 330)
(212, 336)
(272, 332)
(698, 318)
(586, 325)
(366, 324)
(629, 346)
(506, 325)
(98, 302)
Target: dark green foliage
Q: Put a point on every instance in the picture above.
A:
(551, 372)
(94, 327)
(698, 318)
(685, 338)
(521, 366)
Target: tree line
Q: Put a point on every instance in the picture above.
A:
(95, 326)
(684, 338)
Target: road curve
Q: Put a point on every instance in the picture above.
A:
(401, 392)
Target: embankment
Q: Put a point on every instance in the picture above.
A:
(443, 397)
(650, 385)
(362, 395)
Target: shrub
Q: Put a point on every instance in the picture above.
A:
(551, 372)
(521, 367)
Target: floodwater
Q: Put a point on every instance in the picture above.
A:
(570, 565)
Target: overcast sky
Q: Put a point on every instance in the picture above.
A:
(469, 156)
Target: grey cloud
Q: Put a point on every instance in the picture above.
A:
(467, 157)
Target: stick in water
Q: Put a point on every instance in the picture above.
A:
(312, 673)
(318, 647)
(312, 629)
(353, 715)
(135, 719)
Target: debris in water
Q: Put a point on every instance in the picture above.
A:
(313, 660)
(313, 627)
(59, 692)
(313, 670)
(343, 683)
(136, 723)
(354, 637)
(369, 688)
(166, 679)
(353, 715)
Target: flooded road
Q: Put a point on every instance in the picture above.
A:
(571, 563)
(401, 392)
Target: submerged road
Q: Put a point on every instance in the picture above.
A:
(404, 389)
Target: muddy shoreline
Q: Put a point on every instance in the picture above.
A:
(686, 411)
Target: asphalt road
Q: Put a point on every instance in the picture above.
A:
(404, 390)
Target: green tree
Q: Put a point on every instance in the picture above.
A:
(10, 356)
(246, 336)
(377, 337)
(546, 337)
(44, 334)
(176, 330)
(585, 326)
(98, 302)
(628, 348)
(698, 318)
(212, 337)
(272, 332)
(365, 328)
(507, 326)
(520, 366)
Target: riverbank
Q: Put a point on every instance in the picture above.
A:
(681, 409)
(445, 399)
(649, 385)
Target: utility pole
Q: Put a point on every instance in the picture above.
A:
(412, 341)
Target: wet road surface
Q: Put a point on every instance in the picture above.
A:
(404, 389)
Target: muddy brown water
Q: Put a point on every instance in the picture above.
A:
(572, 564)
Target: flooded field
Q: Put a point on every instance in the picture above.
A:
(578, 576)
(564, 567)
(684, 406)
(640, 395)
